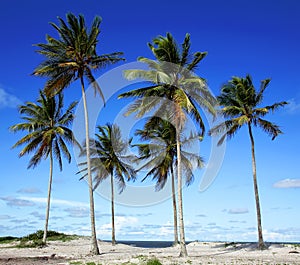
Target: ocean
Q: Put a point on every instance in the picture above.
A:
(166, 244)
(147, 244)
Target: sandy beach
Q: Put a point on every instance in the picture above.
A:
(77, 252)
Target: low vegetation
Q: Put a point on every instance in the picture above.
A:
(36, 239)
(230, 244)
(143, 261)
(7, 239)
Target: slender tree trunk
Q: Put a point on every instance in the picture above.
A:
(174, 208)
(48, 198)
(94, 244)
(113, 237)
(261, 244)
(183, 251)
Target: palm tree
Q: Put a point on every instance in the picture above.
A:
(175, 90)
(240, 102)
(70, 57)
(161, 156)
(48, 133)
(109, 159)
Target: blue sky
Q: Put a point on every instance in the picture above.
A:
(261, 38)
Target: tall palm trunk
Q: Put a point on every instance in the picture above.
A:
(94, 244)
(113, 237)
(174, 208)
(183, 251)
(48, 198)
(261, 244)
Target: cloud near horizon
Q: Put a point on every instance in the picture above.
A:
(238, 211)
(123, 226)
(18, 202)
(201, 215)
(5, 217)
(78, 212)
(287, 183)
(38, 215)
(56, 201)
(29, 190)
(8, 100)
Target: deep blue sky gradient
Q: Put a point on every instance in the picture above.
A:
(261, 38)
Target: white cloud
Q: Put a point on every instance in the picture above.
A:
(238, 211)
(5, 217)
(78, 212)
(274, 235)
(18, 221)
(136, 233)
(29, 190)
(56, 201)
(38, 215)
(123, 221)
(212, 224)
(12, 201)
(293, 106)
(166, 230)
(123, 225)
(201, 215)
(237, 222)
(287, 183)
(8, 100)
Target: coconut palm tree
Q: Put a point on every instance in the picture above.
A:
(48, 135)
(109, 160)
(172, 89)
(72, 57)
(161, 156)
(240, 103)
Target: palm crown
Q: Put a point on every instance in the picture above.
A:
(48, 129)
(241, 105)
(173, 88)
(160, 152)
(108, 156)
(73, 55)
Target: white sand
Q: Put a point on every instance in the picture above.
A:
(199, 253)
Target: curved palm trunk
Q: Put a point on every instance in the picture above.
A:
(113, 237)
(174, 208)
(94, 244)
(183, 251)
(48, 198)
(261, 244)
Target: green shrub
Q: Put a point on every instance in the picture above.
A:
(154, 261)
(35, 239)
(7, 239)
(24, 243)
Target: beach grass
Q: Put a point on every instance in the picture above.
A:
(35, 239)
(143, 261)
(8, 239)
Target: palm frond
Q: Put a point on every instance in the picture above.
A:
(198, 56)
(94, 83)
(271, 129)
(276, 106)
(263, 86)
